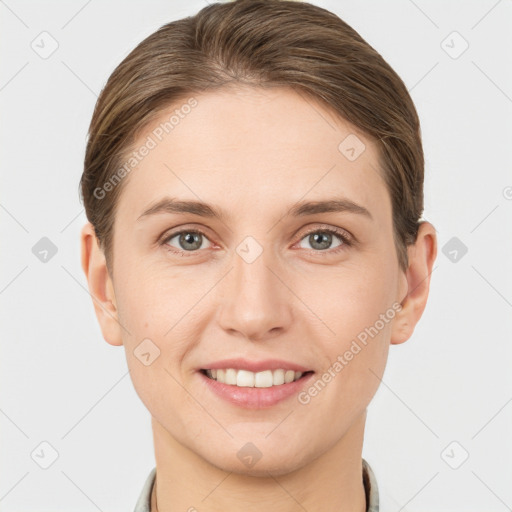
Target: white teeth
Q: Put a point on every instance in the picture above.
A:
(244, 379)
(263, 379)
(230, 377)
(289, 376)
(247, 379)
(278, 377)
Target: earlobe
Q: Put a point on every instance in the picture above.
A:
(422, 255)
(100, 284)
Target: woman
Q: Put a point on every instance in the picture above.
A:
(253, 182)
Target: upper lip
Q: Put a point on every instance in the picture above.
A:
(255, 366)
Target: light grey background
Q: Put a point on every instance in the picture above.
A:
(61, 383)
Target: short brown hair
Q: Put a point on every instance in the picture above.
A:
(260, 43)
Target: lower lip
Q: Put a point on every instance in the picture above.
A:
(256, 398)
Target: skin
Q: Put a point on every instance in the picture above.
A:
(255, 154)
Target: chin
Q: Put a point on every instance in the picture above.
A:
(258, 459)
(279, 466)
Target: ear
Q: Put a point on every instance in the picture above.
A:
(422, 255)
(101, 286)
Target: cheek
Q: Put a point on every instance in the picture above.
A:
(163, 316)
(353, 299)
(158, 387)
(151, 298)
(357, 314)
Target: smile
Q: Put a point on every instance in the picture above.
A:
(248, 379)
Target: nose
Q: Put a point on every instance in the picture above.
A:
(257, 303)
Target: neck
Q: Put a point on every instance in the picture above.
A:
(332, 482)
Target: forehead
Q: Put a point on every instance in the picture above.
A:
(247, 148)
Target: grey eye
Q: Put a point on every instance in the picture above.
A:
(187, 240)
(321, 240)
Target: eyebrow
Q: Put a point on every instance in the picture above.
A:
(301, 209)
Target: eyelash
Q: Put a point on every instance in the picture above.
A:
(344, 237)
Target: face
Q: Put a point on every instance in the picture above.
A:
(265, 275)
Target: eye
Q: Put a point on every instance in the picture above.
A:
(188, 240)
(321, 239)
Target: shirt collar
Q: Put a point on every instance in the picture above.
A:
(144, 501)
(370, 488)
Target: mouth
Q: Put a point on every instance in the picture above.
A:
(248, 379)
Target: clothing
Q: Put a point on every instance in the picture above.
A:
(370, 488)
